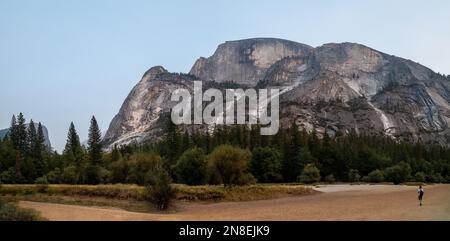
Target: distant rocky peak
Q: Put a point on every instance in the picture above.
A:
(246, 61)
(4, 132)
(153, 72)
(348, 58)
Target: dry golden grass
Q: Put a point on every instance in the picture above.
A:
(184, 192)
(240, 193)
(102, 202)
(117, 191)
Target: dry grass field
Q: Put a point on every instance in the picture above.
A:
(258, 202)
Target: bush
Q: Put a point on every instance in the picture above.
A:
(310, 174)
(54, 176)
(9, 212)
(247, 179)
(104, 175)
(266, 165)
(192, 167)
(434, 178)
(353, 175)
(70, 175)
(93, 174)
(41, 180)
(330, 178)
(420, 177)
(158, 188)
(447, 179)
(398, 173)
(229, 163)
(141, 163)
(8, 176)
(376, 176)
(119, 171)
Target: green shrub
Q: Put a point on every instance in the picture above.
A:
(434, 178)
(447, 179)
(104, 175)
(310, 174)
(266, 164)
(54, 176)
(247, 179)
(420, 177)
(141, 163)
(192, 167)
(70, 175)
(119, 171)
(229, 163)
(376, 176)
(93, 174)
(353, 175)
(41, 180)
(158, 188)
(8, 176)
(398, 173)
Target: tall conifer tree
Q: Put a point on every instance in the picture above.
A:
(21, 134)
(13, 132)
(31, 139)
(37, 149)
(95, 142)
(73, 150)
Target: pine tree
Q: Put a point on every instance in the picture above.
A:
(38, 148)
(21, 131)
(13, 132)
(73, 150)
(95, 143)
(314, 143)
(92, 171)
(18, 133)
(277, 140)
(291, 165)
(173, 143)
(18, 169)
(115, 154)
(31, 139)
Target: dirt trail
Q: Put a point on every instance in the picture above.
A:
(337, 202)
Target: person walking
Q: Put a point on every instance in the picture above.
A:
(421, 192)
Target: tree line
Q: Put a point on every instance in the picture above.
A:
(230, 155)
(294, 155)
(24, 157)
(23, 153)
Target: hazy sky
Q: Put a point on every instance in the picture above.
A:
(63, 61)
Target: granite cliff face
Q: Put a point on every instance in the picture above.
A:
(335, 87)
(139, 118)
(246, 61)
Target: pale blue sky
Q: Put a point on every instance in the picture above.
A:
(63, 61)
